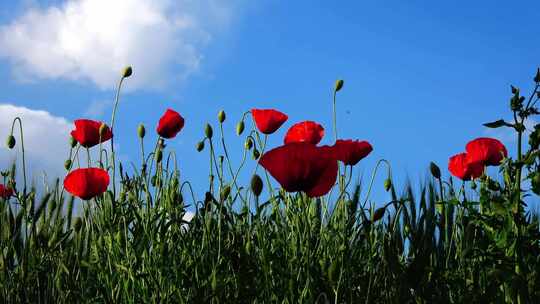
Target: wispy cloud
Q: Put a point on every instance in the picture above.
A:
(92, 40)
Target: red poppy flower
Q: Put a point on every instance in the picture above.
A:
(302, 167)
(463, 167)
(87, 183)
(351, 152)
(268, 120)
(305, 131)
(170, 124)
(5, 192)
(487, 150)
(87, 132)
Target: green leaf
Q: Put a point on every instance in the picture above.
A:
(497, 124)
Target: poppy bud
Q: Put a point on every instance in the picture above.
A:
(77, 224)
(159, 156)
(208, 131)
(537, 77)
(387, 184)
(102, 129)
(378, 214)
(153, 180)
(141, 131)
(339, 85)
(256, 154)
(256, 185)
(473, 185)
(67, 164)
(10, 142)
(435, 170)
(514, 89)
(248, 144)
(127, 72)
(240, 128)
(225, 193)
(200, 146)
(72, 142)
(534, 137)
(221, 116)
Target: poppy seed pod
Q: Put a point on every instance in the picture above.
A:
(200, 146)
(256, 185)
(10, 142)
(127, 71)
(378, 214)
(240, 128)
(221, 116)
(141, 131)
(67, 164)
(387, 184)
(208, 132)
(435, 170)
(339, 85)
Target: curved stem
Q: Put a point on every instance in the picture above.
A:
(22, 148)
(373, 178)
(116, 100)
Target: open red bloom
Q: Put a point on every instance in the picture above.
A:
(170, 124)
(351, 152)
(463, 167)
(5, 192)
(302, 167)
(87, 132)
(268, 120)
(487, 150)
(305, 131)
(87, 183)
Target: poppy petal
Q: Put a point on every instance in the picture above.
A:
(170, 124)
(268, 120)
(305, 131)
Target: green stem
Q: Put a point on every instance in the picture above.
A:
(116, 100)
(22, 148)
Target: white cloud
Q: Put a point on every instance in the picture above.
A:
(45, 141)
(97, 108)
(92, 40)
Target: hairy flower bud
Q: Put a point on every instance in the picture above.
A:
(141, 131)
(248, 144)
(221, 116)
(200, 146)
(72, 142)
(387, 184)
(537, 76)
(240, 128)
(10, 142)
(339, 85)
(378, 214)
(67, 164)
(127, 71)
(256, 154)
(102, 130)
(256, 185)
(208, 131)
(435, 170)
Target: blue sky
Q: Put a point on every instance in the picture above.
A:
(420, 77)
